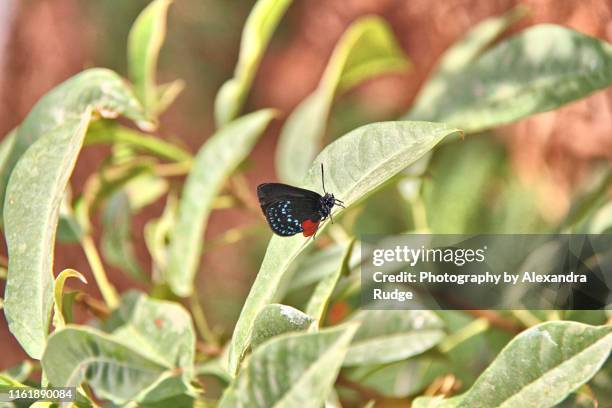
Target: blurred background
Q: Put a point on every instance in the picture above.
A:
(523, 176)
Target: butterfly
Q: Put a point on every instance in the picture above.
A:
(290, 210)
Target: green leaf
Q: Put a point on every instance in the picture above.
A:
(459, 56)
(276, 319)
(144, 42)
(320, 298)
(355, 165)
(31, 216)
(114, 370)
(68, 228)
(160, 330)
(366, 49)
(111, 132)
(147, 357)
(215, 161)
(436, 402)
(291, 371)
(391, 335)
(167, 93)
(540, 69)
(116, 243)
(58, 295)
(156, 235)
(258, 29)
(102, 90)
(6, 146)
(465, 170)
(541, 366)
(21, 371)
(314, 266)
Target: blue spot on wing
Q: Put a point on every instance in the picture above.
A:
(281, 218)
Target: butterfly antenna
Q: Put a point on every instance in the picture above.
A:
(323, 178)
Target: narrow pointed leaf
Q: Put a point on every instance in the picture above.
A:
(366, 49)
(58, 294)
(215, 161)
(355, 165)
(296, 370)
(541, 366)
(319, 300)
(258, 29)
(144, 42)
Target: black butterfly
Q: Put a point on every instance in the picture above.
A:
(290, 210)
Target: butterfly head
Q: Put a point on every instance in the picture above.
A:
(327, 203)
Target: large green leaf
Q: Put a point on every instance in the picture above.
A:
(540, 69)
(276, 319)
(391, 335)
(355, 165)
(33, 198)
(258, 29)
(44, 153)
(366, 49)
(458, 57)
(114, 370)
(161, 330)
(144, 42)
(102, 90)
(541, 366)
(215, 161)
(147, 356)
(295, 370)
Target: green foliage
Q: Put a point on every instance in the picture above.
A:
(355, 165)
(215, 161)
(537, 70)
(144, 43)
(258, 29)
(277, 319)
(366, 49)
(275, 375)
(143, 349)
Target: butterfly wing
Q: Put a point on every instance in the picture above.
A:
(289, 210)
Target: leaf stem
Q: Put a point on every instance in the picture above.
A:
(108, 291)
(201, 322)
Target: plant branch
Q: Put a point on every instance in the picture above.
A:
(109, 293)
